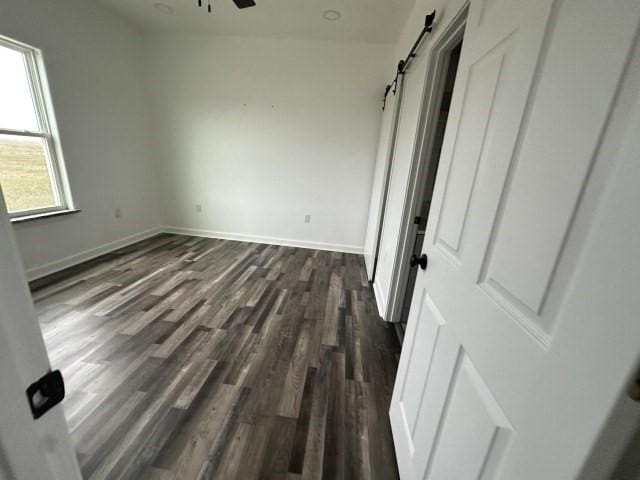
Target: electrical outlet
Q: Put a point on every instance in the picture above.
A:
(117, 212)
(307, 218)
(199, 208)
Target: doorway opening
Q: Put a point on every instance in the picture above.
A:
(433, 160)
(439, 87)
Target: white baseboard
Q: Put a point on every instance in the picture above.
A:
(270, 240)
(53, 267)
(380, 301)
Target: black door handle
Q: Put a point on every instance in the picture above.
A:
(423, 261)
(46, 393)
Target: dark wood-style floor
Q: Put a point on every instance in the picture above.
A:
(192, 358)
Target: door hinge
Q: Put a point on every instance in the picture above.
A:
(46, 393)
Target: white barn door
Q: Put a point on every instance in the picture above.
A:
(524, 327)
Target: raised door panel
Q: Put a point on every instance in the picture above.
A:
(478, 101)
(548, 172)
(424, 375)
(420, 356)
(473, 432)
(440, 398)
(497, 68)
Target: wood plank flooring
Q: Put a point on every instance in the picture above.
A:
(193, 358)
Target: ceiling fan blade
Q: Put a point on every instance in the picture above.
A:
(244, 3)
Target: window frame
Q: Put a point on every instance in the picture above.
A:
(48, 132)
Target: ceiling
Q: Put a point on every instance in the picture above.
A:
(375, 21)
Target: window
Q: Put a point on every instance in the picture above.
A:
(31, 170)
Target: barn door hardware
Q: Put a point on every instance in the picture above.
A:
(46, 393)
(384, 100)
(404, 64)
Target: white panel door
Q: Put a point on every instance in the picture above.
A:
(523, 328)
(29, 449)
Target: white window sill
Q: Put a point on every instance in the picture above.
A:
(40, 216)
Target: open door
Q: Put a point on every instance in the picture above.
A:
(523, 328)
(29, 449)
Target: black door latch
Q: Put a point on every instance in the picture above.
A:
(46, 393)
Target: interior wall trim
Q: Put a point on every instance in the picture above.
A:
(40, 271)
(332, 247)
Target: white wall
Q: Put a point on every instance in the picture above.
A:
(93, 61)
(410, 108)
(262, 131)
(258, 131)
